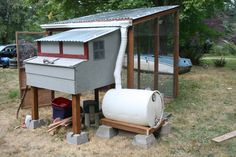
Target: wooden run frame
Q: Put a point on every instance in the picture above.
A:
(130, 66)
(22, 77)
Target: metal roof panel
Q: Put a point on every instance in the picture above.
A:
(79, 35)
(119, 15)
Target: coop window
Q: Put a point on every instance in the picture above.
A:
(98, 50)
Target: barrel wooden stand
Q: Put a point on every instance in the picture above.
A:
(131, 127)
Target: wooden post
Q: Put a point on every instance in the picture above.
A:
(156, 52)
(130, 67)
(176, 53)
(52, 94)
(96, 95)
(35, 105)
(76, 113)
(138, 52)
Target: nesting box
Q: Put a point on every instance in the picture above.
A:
(75, 61)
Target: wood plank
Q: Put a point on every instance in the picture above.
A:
(35, 106)
(225, 136)
(52, 94)
(139, 57)
(129, 127)
(96, 95)
(76, 126)
(130, 66)
(176, 54)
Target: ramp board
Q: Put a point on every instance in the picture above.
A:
(224, 137)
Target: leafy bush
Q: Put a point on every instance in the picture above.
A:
(195, 50)
(220, 62)
(13, 94)
(229, 47)
(224, 49)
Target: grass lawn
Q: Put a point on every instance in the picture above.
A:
(205, 108)
(230, 61)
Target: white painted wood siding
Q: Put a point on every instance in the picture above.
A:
(73, 48)
(50, 47)
(51, 77)
(98, 73)
(82, 76)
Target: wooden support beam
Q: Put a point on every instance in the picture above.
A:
(156, 52)
(35, 105)
(139, 57)
(76, 113)
(130, 127)
(176, 53)
(130, 67)
(96, 95)
(52, 94)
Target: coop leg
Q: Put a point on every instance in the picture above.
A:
(96, 95)
(35, 122)
(76, 137)
(35, 111)
(76, 113)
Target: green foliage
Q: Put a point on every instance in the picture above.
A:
(194, 50)
(13, 15)
(127, 4)
(229, 47)
(192, 16)
(194, 53)
(224, 49)
(220, 62)
(13, 94)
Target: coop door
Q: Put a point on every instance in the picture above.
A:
(26, 48)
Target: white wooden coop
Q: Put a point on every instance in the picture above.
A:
(75, 61)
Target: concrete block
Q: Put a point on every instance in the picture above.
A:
(144, 141)
(105, 131)
(165, 129)
(96, 119)
(87, 120)
(36, 124)
(77, 138)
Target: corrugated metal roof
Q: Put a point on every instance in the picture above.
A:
(127, 14)
(79, 35)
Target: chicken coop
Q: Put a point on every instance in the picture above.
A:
(80, 54)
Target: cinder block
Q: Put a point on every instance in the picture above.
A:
(165, 129)
(77, 138)
(96, 119)
(144, 141)
(87, 120)
(105, 131)
(36, 124)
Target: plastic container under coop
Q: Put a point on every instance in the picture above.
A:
(135, 106)
(62, 108)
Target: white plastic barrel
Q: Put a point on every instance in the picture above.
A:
(141, 107)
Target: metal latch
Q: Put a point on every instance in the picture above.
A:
(46, 61)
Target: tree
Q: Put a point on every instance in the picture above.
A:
(12, 17)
